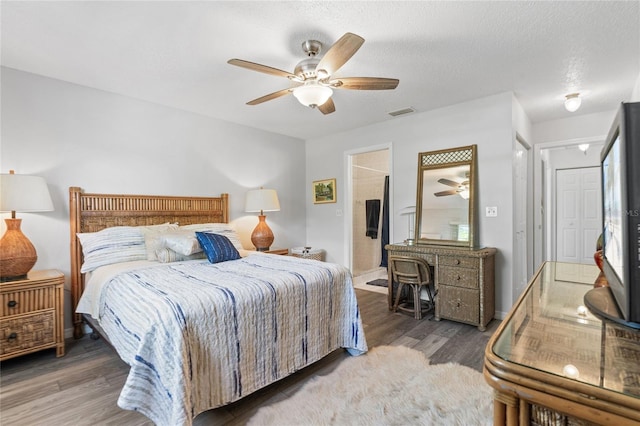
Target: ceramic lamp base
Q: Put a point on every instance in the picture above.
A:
(17, 254)
(262, 237)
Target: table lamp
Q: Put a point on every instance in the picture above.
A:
(262, 200)
(24, 194)
(410, 212)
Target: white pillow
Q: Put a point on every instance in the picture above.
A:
(166, 255)
(114, 245)
(153, 238)
(111, 245)
(225, 229)
(183, 242)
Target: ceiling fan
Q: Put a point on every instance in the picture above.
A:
(461, 188)
(313, 75)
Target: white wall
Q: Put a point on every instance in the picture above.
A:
(635, 94)
(573, 127)
(76, 136)
(486, 122)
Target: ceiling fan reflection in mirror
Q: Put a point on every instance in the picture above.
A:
(461, 188)
(313, 76)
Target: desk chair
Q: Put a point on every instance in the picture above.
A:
(415, 273)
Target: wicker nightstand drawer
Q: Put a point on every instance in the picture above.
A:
(31, 314)
(28, 300)
(23, 333)
(459, 277)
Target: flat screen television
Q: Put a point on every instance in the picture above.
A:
(620, 160)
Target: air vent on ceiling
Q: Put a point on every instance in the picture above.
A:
(401, 111)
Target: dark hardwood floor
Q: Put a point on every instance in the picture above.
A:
(82, 387)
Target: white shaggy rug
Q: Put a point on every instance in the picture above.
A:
(390, 385)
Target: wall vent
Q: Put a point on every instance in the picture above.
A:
(401, 111)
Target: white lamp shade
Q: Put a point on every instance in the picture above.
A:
(312, 94)
(24, 193)
(262, 200)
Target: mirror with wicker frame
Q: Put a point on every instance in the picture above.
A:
(445, 200)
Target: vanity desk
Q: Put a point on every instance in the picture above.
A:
(552, 362)
(463, 279)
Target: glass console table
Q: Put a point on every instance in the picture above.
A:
(552, 362)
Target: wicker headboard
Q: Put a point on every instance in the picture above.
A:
(93, 212)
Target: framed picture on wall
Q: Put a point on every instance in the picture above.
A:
(324, 191)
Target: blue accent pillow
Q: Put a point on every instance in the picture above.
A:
(218, 248)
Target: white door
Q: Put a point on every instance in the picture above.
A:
(521, 257)
(578, 214)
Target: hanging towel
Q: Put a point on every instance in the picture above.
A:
(373, 217)
(385, 223)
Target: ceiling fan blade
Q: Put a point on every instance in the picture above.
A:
(262, 68)
(338, 54)
(270, 96)
(443, 193)
(365, 83)
(448, 182)
(327, 107)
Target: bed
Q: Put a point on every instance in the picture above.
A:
(196, 334)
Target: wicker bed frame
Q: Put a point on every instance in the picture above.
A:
(93, 212)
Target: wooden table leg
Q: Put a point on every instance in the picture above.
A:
(499, 413)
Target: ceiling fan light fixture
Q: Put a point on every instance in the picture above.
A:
(572, 102)
(312, 94)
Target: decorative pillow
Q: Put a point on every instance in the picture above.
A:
(166, 255)
(153, 238)
(183, 242)
(111, 245)
(217, 247)
(225, 229)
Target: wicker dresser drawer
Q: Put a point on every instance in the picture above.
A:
(459, 304)
(459, 261)
(31, 314)
(27, 332)
(459, 277)
(27, 300)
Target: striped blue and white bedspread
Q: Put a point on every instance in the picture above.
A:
(200, 335)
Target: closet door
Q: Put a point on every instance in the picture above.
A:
(578, 215)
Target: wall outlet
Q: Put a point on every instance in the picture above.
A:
(338, 212)
(492, 212)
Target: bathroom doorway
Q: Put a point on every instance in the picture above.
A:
(369, 232)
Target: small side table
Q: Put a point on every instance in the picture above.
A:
(32, 314)
(308, 253)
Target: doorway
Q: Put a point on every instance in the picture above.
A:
(554, 161)
(367, 170)
(522, 268)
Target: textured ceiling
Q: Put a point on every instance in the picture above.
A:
(443, 53)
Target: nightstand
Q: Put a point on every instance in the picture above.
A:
(283, 252)
(32, 314)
